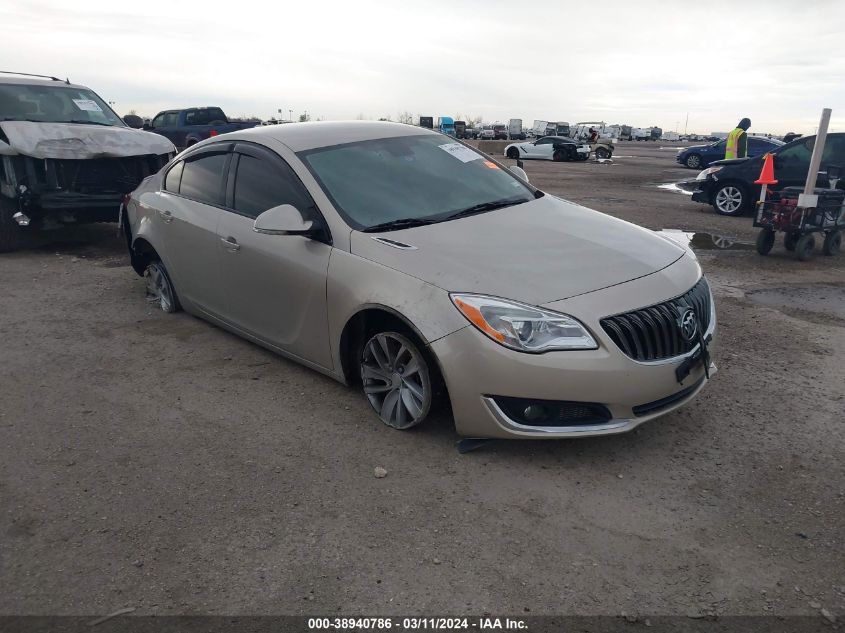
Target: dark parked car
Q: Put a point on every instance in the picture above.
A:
(700, 156)
(188, 127)
(729, 184)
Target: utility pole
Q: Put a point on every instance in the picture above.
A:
(685, 124)
(290, 115)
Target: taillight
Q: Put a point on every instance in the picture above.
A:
(213, 133)
(126, 198)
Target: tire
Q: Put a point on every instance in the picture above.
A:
(730, 199)
(512, 153)
(789, 241)
(396, 379)
(832, 243)
(804, 247)
(10, 233)
(160, 289)
(560, 156)
(765, 241)
(693, 161)
(602, 153)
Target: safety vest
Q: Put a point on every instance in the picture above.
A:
(732, 145)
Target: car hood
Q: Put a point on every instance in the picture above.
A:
(537, 252)
(78, 140)
(732, 161)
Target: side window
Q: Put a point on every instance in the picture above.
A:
(202, 179)
(159, 120)
(798, 153)
(173, 177)
(834, 151)
(261, 184)
(171, 119)
(544, 141)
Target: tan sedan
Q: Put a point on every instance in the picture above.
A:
(397, 259)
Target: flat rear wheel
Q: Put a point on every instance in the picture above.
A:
(159, 287)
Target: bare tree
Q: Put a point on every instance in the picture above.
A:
(405, 117)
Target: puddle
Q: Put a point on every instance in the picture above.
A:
(671, 186)
(702, 241)
(824, 299)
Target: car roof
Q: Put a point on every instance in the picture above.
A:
(313, 134)
(35, 81)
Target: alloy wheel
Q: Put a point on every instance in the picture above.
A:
(159, 289)
(396, 380)
(729, 200)
(694, 161)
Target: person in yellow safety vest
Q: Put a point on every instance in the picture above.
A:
(737, 145)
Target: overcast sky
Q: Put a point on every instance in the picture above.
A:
(641, 63)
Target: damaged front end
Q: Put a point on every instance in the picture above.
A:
(48, 192)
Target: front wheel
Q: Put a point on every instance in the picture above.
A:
(693, 161)
(603, 152)
(729, 200)
(765, 241)
(512, 153)
(396, 380)
(560, 156)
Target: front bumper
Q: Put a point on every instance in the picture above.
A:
(476, 369)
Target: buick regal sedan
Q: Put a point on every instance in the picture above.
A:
(396, 259)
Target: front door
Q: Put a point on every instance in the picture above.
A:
(275, 284)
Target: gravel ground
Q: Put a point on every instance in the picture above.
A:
(157, 462)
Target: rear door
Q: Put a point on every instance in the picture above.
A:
(191, 205)
(275, 285)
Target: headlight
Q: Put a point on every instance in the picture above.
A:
(522, 327)
(710, 170)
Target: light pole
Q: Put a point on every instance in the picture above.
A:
(290, 115)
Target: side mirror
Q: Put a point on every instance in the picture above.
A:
(285, 219)
(134, 121)
(519, 171)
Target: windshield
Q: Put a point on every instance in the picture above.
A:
(54, 104)
(420, 177)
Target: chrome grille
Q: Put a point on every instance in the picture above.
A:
(653, 333)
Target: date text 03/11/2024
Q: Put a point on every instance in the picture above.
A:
(417, 624)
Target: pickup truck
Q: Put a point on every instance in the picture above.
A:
(192, 125)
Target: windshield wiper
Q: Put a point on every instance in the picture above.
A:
(85, 122)
(485, 206)
(402, 223)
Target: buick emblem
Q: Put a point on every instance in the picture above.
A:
(688, 324)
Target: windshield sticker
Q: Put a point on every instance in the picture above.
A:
(88, 105)
(461, 152)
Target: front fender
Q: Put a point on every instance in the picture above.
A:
(355, 283)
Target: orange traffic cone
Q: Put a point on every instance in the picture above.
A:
(767, 174)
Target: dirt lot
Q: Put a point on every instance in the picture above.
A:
(157, 462)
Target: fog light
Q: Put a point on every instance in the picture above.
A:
(534, 412)
(21, 219)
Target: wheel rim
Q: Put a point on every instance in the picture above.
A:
(729, 199)
(158, 288)
(601, 153)
(395, 379)
(693, 161)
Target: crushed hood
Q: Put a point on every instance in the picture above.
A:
(537, 252)
(78, 140)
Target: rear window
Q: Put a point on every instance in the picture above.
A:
(202, 179)
(204, 116)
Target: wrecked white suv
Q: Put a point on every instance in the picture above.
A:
(65, 156)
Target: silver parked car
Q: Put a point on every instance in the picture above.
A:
(408, 263)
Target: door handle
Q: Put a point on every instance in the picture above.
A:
(167, 216)
(230, 243)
